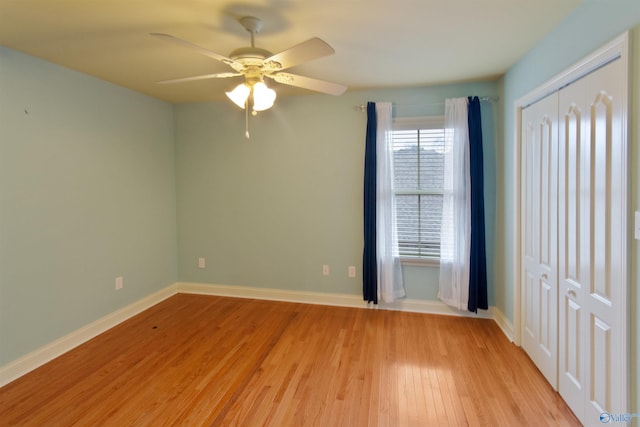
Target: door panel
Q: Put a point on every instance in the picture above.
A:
(592, 223)
(570, 169)
(539, 224)
(573, 365)
(600, 391)
(573, 246)
(601, 111)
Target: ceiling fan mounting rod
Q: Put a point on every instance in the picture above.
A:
(253, 25)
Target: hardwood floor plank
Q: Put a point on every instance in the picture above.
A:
(203, 360)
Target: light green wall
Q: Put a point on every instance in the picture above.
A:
(87, 193)
(592, 25)
(270, 211)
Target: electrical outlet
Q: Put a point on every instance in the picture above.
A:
(325, 270)
(201, 263)
(119, 283)
(352, 271)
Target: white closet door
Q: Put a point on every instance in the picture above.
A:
(592, 255)
(539, 240)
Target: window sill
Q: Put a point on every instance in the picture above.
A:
(421, 262)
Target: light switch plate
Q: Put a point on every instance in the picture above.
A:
(636, 225)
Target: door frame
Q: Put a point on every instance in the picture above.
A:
(618, 48)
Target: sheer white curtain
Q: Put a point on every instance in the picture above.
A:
(455, 233)
(390, 284)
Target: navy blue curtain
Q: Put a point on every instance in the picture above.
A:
(369, 262)
(478, 261)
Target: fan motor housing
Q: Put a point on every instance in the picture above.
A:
(250, 55)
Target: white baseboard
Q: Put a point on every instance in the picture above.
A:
(503, 323)
(60, 346)
(44, 354)
(270, 294)
(341, 300)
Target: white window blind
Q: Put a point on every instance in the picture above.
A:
(418, 145)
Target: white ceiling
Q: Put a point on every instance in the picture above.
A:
(378, 43)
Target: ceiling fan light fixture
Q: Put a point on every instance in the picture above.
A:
(263, 97)
(239, 95)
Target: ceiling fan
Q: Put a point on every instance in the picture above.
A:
(255, 64)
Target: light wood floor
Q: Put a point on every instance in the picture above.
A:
(202, 360)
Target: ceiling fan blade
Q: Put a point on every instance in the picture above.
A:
(308, 83)
(230, 62)
(202, 77)
(303, 52)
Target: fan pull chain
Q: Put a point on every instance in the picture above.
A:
(246, 120)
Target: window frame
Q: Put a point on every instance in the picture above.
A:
(418, 123)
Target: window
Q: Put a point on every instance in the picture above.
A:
(418, 145)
